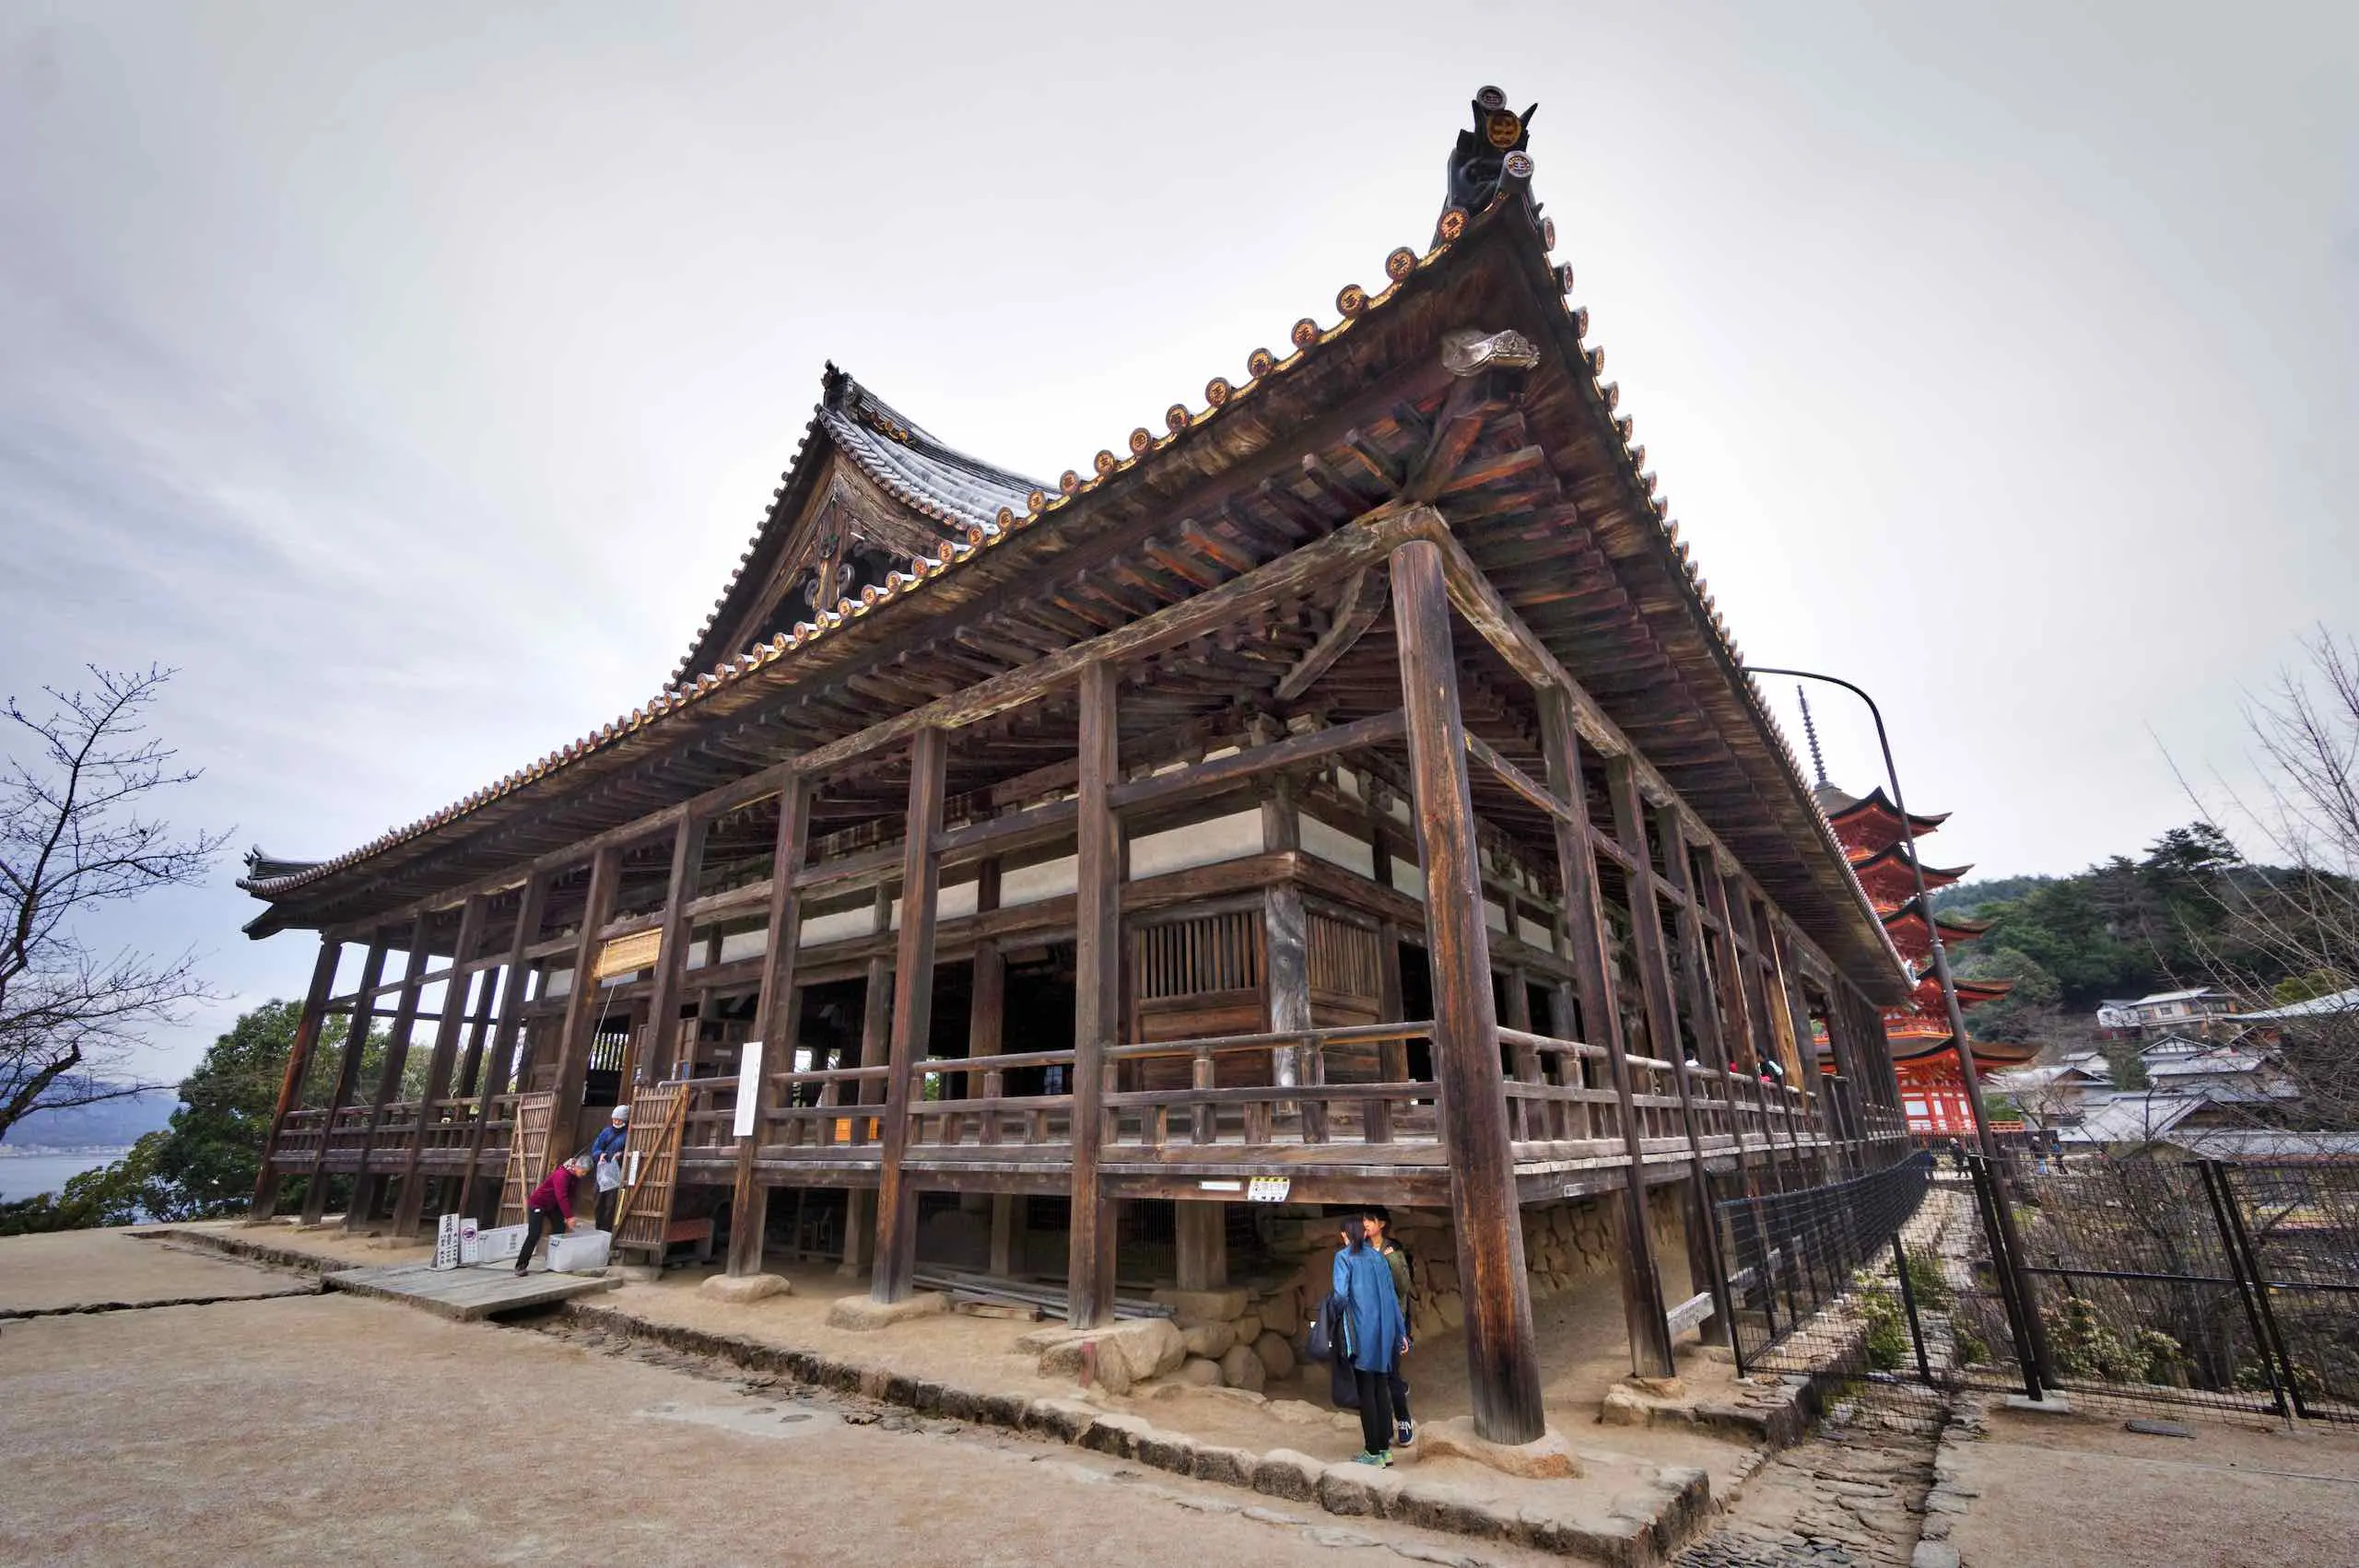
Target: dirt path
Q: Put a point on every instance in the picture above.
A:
(327, 1428)
(98, 1270)
(2061, 1492)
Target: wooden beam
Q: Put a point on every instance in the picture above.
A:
(775, 1025)
(500, 1076)
(348, 1079)
(448, 1025)
(660, 1060)
(1361, 602)
(1642, 1302)
(290, 1083)
(582, 1009)
(1502, 1362)
(361, 1213)
(1098, 992)
(897, 1201)
(1343, 551)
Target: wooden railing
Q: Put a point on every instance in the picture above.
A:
(348, 1134)
(987, 1115)
(298, 1138)
(1308, 1111)
(1562, 1103)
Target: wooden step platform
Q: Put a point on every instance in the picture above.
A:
(467, 1294)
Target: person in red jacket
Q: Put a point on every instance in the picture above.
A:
(552, 1206)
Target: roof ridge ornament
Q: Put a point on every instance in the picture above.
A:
(1481, 159)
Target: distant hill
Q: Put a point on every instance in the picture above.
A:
(108, 1124)
(1966, 896)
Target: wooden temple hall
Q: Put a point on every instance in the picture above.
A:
(1343, 790)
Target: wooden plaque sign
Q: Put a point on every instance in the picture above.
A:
(628, 954)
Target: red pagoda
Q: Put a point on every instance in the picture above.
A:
(1870, 828)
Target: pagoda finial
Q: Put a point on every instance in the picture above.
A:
(1810, 729)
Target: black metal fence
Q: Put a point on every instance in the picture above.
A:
(2164, 1280)
(1796, 1261)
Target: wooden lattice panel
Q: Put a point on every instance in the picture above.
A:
(528, 1154)
(653, 1150)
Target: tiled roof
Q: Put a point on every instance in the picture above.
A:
(956, 489)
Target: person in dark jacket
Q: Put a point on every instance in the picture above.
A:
(1371, 1315)
(606, 1150)
(552, 1207)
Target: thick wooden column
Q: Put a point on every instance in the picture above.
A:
(501, 1077)
(290, 1083)
(1642, 1306)
(661, 1060)
(467, 1080)
(1097, 996)
(897, 1201)
(582, 1009)
(1502, 1363)
(1203, 1244)
(875, 1050)
(347, 1074)
(1705, 1265)
(1285, 974)
(1747, 942)
(776, 1018)
(366, 1188)
(450, 1024)
(987, 1037)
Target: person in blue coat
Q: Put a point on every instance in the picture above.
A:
(1377, 1333)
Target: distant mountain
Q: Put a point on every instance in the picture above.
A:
(107, 1124)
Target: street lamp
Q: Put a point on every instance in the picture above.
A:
(1983, 1136)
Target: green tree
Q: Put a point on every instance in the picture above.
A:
(203, 1166)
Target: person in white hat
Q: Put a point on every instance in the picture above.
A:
(607, 1150)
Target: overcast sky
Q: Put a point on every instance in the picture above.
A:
(410, 377)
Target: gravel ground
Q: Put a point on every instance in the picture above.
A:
(2060, 1492)
(329, 1428)
(80, 1271)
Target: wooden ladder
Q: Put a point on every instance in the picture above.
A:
(643, 1219)
(528, 1154)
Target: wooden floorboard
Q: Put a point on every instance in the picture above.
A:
(467, 1294)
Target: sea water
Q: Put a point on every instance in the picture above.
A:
(29, 1176)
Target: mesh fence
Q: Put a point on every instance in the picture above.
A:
(1814, 1284)
(2297, 1224)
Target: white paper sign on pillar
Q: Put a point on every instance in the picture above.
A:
(749, 1084)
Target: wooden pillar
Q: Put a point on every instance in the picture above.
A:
(468, 1080)
(1631, 816)
(1393, 1056)
(347, 1074)
(1705, 1263)
(1747, 941)
(1097, 995)
(897, 1201)
(501, 1077)
(367, 1187)
(875, 1050)
(1642, 1305)
(1203, 1237)
(661, 1058)
(290, 1083)
(987, 1037)
(1285, 974)
(582, 1009)
(776, 1018)
(1502, 1363)
(448, 1027)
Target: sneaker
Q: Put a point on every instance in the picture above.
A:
(1366, 1459)
(1404, 1436)
(520, 1270)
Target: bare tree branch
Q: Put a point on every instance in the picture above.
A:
(73, 840)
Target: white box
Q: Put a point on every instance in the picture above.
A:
(502, 1244)
(580, 1252)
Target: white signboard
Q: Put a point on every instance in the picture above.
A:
(446, 1242)
(1268, 1190)
(750, 1084)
